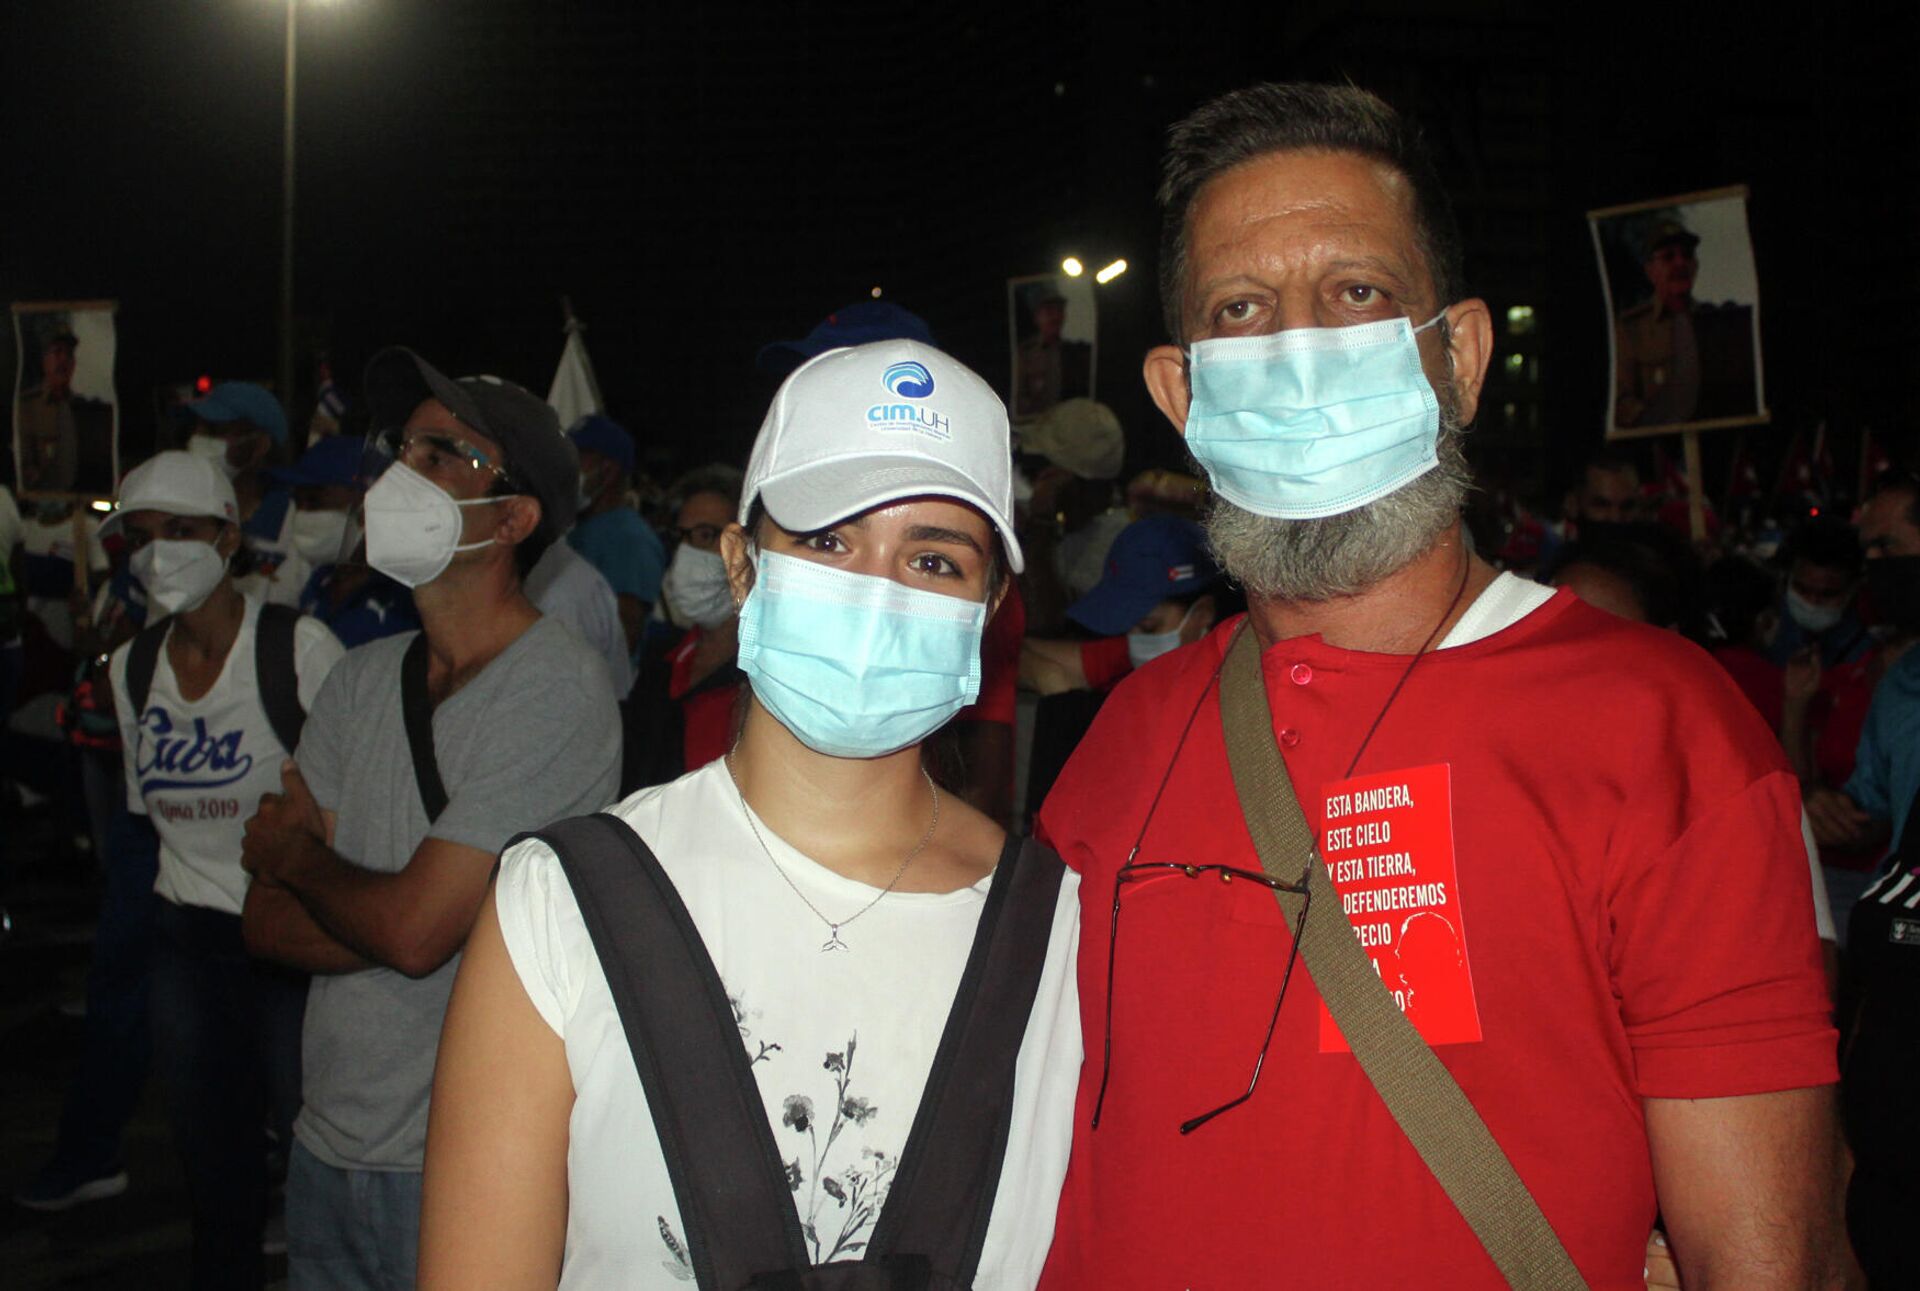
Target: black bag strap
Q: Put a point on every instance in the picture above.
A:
(943, 1190)
(273, 667)
(416, 709)
(728, 1178)
(276, 675)
(143, 656)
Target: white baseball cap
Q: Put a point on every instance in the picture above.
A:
(870, 424)
(182, 484)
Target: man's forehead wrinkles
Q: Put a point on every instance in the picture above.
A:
(1246, 259)
(1258, 215)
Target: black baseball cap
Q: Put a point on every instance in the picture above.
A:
(541, 461)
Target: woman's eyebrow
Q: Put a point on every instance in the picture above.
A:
(934, 533)
(858, 522)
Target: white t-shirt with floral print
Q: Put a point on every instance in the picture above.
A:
(841, 1043)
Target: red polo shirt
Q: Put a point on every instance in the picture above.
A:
(1573, 852)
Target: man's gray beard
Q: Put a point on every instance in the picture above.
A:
(1342, 555)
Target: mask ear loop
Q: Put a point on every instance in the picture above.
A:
(1445, 334)
(753, 574)
(479, 502)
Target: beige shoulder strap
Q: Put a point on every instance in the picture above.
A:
(1416, 1087)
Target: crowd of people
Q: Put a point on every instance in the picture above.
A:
(522, 871)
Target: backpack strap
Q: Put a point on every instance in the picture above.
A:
(416, 710)
(143, 656)
(943, 1190)
(727, 1175)
(728, 1178)
(276, 675)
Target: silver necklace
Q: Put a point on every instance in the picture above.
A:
(833, 941)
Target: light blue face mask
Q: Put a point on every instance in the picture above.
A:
(854, 665)
(1144, 647)
(1314, 421)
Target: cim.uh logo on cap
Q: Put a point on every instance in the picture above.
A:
(908, 380)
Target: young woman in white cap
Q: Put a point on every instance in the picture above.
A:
(824, 1016)
(209, 698)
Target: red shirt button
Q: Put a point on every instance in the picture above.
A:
(1301, 674)
(1289, 737)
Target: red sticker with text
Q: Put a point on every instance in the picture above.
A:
(1388, 846)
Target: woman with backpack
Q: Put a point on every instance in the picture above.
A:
(210, 696)
(801, 1017)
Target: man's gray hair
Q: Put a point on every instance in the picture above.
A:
(1294, 117)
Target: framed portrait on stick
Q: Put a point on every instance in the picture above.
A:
(1051, 326)
(1683, 308)
(66, 417)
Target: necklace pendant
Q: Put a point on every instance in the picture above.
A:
(834, 942)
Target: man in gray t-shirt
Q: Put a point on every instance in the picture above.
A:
(533, 738)
(356, 879)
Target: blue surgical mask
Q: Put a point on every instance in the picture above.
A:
(1314, 421)
(854, 665)
(1144, 647)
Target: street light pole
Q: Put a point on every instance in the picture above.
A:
(284, 374)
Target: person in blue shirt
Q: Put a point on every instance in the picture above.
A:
(1875, 803)
(359, 604)
(610, 533)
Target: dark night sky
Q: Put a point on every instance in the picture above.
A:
(703, 179)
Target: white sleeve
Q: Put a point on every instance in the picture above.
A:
(97, 561)
(541, 925)
(129, 728)
(315, 651)
(1822, 909)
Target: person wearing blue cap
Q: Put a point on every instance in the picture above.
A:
(610, 533)
(1161, 591)
(241, 428)
(861, 322)
(358, 602)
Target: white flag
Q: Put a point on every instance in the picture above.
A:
(575, 393)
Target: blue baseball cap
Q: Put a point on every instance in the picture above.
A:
(1153, 560)
(242, 401)
(334, 459)
(856, 324)
(594, 433)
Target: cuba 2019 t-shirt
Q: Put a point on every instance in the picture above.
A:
(198, 767)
